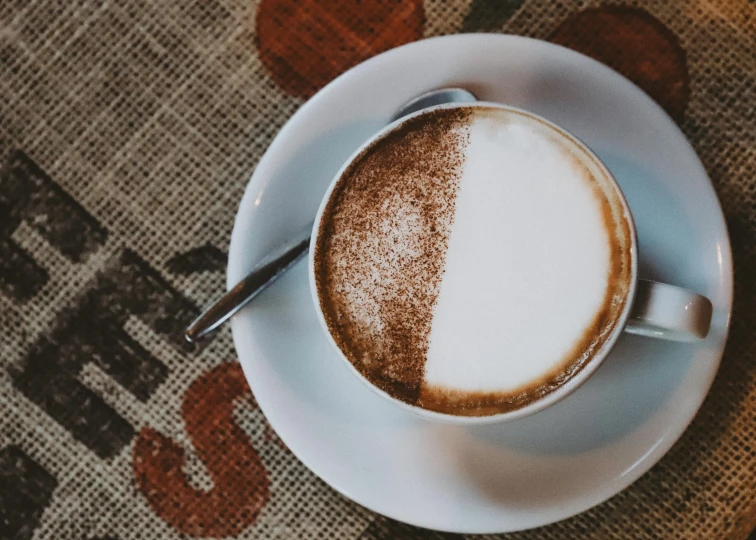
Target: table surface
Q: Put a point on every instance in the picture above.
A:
(128, 131)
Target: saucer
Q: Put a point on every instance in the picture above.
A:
(531, 471)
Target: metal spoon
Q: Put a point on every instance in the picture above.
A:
(286, 256)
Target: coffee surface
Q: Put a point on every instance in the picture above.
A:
(472, 260)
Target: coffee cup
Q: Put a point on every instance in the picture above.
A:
(477, 263)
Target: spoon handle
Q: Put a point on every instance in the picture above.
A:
(284, 258)
(262, 275)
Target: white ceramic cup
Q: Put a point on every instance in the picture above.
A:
(652, 309)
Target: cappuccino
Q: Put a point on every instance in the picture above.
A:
(472, 260)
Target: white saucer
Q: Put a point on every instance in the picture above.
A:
(529, 472)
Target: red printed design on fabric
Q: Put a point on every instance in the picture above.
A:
(240, 481)
(636, 44)
(305, 44)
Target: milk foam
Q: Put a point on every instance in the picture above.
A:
(527, 264)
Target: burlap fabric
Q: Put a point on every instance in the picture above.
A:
(128, 130)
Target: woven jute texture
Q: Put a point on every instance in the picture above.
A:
(128, 130)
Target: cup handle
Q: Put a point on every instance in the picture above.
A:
(668, 312)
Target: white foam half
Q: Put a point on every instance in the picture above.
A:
(527, 263)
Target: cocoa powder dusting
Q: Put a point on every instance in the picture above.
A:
(380, 251)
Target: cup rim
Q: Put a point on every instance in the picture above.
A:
(550, 399)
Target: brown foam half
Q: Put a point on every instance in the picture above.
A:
(405, 182)
(619, 234)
